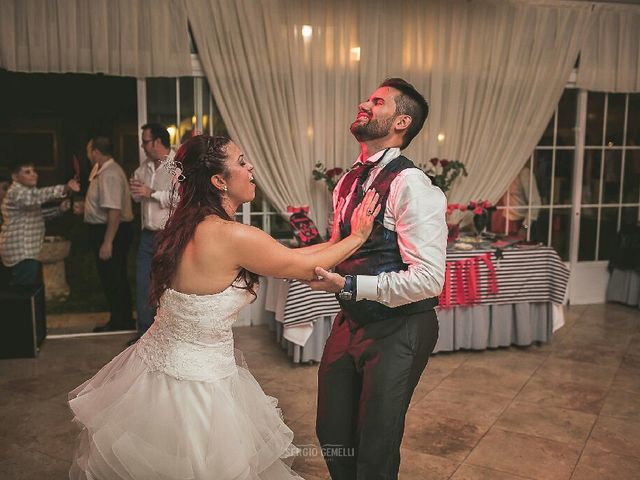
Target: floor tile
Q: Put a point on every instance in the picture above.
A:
(559, 424)
(525, 455)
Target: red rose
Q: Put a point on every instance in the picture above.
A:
(444, 162)
(478, 211)
(472, 205)
(333, 172)
(434, 161)
(487, 204)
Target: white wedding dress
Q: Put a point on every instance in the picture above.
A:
(177, 404)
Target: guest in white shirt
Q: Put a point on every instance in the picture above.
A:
(387, 328)
(151, 187)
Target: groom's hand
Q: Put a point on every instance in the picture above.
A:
(326, 281)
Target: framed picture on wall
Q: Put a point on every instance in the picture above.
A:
(37, 146)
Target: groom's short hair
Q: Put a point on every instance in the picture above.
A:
(409, 102)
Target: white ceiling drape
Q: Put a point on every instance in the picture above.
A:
(137, 38)
(493, 72)
(286, 98)
(610, 55)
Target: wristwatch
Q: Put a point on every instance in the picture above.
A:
(349, 290)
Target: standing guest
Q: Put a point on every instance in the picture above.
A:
(22, 232)
(108, 212)
(151, 187)
(387, 327)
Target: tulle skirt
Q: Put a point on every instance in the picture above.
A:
(142, 424)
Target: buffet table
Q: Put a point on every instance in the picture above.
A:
(527, 307)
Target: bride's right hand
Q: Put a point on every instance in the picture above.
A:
(364, 215)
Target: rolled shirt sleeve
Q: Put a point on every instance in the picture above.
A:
(416, 212)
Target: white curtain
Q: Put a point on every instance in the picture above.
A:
(287, 96)
(610, 56)
(493, 72)
(138, 38)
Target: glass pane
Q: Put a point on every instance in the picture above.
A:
(256, 203)
(608, 232)
(630, 216)
(611, 176)
(539, 230)
(567, 118)
(588, 226)
(563, 181)
(542, 171)
(595, 116)
(631, 189)
(547, 136)
(615, 119)
(161, 103)
(633, 120)
(561, 226)
(217, 125)
(256, 221)
(187, 111)
(280, 227)
(591, 177)
(206, 106)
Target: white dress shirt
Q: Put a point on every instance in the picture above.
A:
(416, 212)
(155, 210)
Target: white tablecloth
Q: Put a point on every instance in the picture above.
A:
(528, 308)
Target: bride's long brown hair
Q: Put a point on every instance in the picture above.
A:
(201, 157)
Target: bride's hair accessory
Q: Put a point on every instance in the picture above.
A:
(174, 168)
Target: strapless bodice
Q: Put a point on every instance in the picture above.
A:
(191, 336)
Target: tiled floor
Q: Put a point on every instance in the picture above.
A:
(567, 410)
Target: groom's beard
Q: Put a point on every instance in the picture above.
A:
(371, 130)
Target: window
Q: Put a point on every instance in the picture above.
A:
(611, 176)
(186, 105)
(540, 197)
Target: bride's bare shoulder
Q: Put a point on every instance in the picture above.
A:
(229, 230)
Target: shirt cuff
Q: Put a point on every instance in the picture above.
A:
(367, 287)
(154, 196)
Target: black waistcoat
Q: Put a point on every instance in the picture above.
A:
(380, 253)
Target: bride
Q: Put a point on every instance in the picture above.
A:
(177, 404)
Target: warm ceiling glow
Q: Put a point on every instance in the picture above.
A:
(307, 31)
(441, 137)
(355, 54)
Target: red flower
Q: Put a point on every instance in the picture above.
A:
(472, 205)
(333, 172)
(434, 161)
(444, 162)
(487, 204)
(478, 211)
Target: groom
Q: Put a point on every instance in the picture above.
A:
(382, 338)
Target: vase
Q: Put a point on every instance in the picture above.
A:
(480, 221)
(54, 251)
(454, 231)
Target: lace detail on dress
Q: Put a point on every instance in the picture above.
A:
(191, 336)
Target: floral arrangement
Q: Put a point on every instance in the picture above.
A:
(443, 172)
(480, 209)
(330, 176)
(477, 207)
